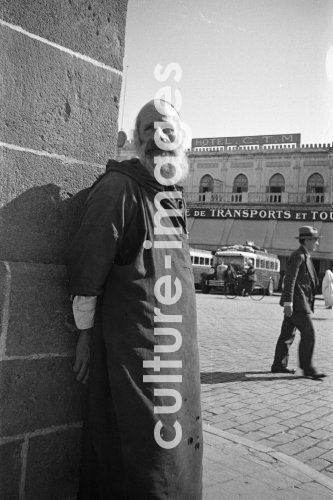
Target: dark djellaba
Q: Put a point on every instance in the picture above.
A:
(134, 304)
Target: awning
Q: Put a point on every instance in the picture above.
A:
(219, 232)
(276, 236)
(207, 231)
(242, 231)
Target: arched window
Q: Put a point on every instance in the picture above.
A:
(275, 188)
(276, 184)
(206, 184)
(315, 189)
(315, 184)
(240, 184)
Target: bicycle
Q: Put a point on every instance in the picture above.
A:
(234, 288)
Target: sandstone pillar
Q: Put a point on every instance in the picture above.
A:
(60, 77)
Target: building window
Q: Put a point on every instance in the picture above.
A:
(275, 188)
(276, 184)
(315, 189)
(206, 188)
(240, 184)
(206, 184)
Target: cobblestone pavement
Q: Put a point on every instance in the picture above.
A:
(288, 413)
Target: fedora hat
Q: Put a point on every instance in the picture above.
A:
(307, 232)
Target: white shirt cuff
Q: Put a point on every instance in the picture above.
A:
(84, 311)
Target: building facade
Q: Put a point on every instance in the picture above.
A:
(260, 189)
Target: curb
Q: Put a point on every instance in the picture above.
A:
(313, 474)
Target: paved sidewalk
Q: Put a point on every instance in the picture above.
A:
(238, 468)
(270, 436)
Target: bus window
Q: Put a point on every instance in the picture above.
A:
(267, 264)
(192, 259)
(201, 261)
(262, 264)
(272, 265)
(207, 261)
(233, 260)
(196, 260)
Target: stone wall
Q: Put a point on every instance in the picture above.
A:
(60, 77)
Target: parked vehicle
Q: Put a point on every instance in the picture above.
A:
(267, 267)
(201, 263)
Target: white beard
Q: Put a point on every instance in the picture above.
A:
(170, 164)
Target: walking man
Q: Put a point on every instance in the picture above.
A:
(300, 285)
(131, 276)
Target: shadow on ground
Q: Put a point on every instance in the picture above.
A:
(223, 377)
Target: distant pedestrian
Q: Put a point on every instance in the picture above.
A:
(327, 288)
(249, 278)
(298, 295)
(220, 270)
(230, 274)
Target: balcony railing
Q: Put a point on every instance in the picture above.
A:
(261, 198)
(209, 197)
(311, 198)
(268, 198)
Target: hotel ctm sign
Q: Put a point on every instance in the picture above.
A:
(246, 140)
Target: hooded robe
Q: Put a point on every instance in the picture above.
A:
(129, 443)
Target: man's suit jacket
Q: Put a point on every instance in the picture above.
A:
(300, 282)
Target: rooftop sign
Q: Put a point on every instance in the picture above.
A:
(246, 140)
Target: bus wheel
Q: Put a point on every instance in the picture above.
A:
(204, 287)
(270, 288)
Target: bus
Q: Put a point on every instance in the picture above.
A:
(267, 266)
(201, 263)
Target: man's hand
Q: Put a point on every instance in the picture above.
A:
(288, 311)
(82, 355)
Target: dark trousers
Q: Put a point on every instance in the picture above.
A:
(304, 324)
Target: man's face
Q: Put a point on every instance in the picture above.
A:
(161, 136)
(311, 244)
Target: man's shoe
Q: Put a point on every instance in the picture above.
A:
(314, 375)
(282, 369)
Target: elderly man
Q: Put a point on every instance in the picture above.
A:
(130, 273)
(298, 296)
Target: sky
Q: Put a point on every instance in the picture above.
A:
(244, 67)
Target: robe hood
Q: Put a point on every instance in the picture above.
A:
(134, 169)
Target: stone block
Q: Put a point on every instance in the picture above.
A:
(53, 466)
(55, 102)
(40, 314)
(37, 394)
(10, 467)
(4, 306)
(39, 215)
(95, 28)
